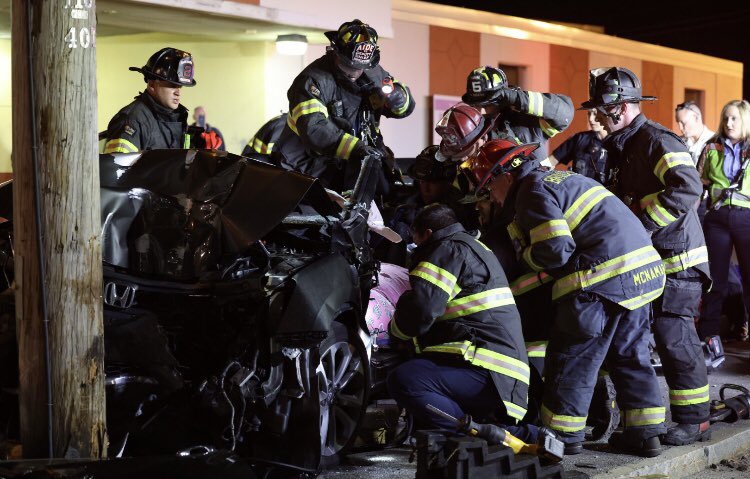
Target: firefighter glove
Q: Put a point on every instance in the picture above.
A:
(396, 100)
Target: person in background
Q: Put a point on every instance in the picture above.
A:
(217, 139)
(156, 119)
(724, 162)
(695, 133)
(586, 152)
(261, 145)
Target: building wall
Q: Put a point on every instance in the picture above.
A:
(532, 57)
(568, 66)
(407, 61)
(6, 118)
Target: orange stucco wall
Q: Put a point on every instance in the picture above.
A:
(569, 73)
(658, 81)
(453, 54)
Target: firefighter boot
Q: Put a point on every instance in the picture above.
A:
(683, 434)
(650, 447)
(604, 414)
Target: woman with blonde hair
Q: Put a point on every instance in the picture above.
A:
(724, 163)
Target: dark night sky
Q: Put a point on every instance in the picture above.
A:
(720, 29)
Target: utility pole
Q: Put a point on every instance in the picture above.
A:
(57, 229)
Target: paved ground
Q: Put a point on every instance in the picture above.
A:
(597, 461)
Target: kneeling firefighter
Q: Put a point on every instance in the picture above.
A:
(465, 328)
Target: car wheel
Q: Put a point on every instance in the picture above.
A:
(343, 385)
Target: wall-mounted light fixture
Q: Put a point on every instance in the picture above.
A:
(291, 44)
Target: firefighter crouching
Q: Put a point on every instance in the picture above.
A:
(465, 328)
(335, 106)
(658, 180)
(606, 273)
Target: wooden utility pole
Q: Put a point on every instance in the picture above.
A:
(56, 175)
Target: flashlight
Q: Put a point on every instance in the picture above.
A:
(387, 87)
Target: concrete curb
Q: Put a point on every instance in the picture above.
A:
(681, 461)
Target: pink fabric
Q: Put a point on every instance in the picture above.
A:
(393, 281)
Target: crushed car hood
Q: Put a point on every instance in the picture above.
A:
(178, 211)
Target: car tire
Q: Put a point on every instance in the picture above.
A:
(343, 376)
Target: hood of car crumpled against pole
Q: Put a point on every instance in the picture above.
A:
(209, 199)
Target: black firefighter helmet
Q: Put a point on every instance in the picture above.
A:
(356, 45)
(170, 65)
(612, 86)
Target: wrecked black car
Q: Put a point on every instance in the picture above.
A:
(235, 295)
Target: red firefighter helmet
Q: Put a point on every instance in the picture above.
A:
(497, 157)
(460, 128)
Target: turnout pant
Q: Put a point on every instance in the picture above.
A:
(590, 331)
(452, 387)
(680, 349)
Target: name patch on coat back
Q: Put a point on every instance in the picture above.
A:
(648, 274)
(558, 177)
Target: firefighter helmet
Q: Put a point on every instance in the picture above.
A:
(460, 128)
(497, 157)
(483, 85)
(612, 86)
(429, 167)
(170, 65)
(356, 44)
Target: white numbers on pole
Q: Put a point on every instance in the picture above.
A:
(81, 37)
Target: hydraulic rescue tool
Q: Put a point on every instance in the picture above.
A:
(547, 446)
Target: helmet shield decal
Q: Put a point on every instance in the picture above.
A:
(185, 70)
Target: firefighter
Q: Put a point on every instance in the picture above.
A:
(463, 323)
(434, 180)
(335, 106)
(657, 179)
(261, 145)
(526, 116)
(606, 273)
(156, 119)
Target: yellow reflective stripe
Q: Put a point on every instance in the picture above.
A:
(548, 129)
(483, 245)
(514, 411)
(644, 417)
(536, 349)
(642, 300)
(528, 282)
(346, 146)
(686, 397)
(403, 109)
(397, 331)
(548, 230)
(441, 278)
(583, 205)
(685, 260)
(492, 298)
(670, 160)
(558, 422)
(530, 261)
(515, 233)
(119, 145)
(536, 103)
(305, 108)
(485, 358)
(186, 141)
(654, 209)
(260, 147)
(292, 124)
(604, 271)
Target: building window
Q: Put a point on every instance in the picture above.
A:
(696, 96)
(516, 75)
